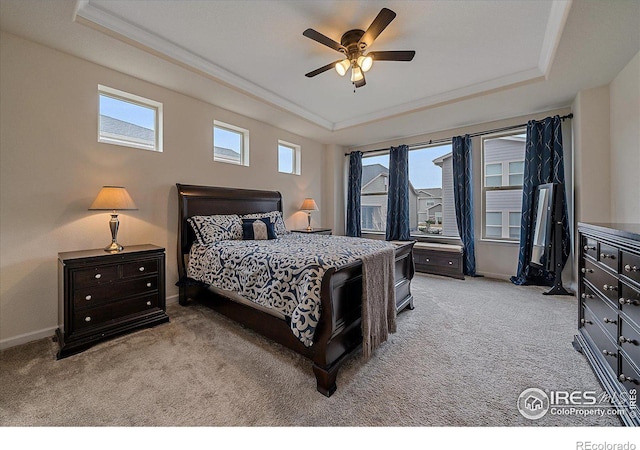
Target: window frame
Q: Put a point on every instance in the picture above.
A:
(505, 186)
(295, 159)
(244, 143)
(136, 100)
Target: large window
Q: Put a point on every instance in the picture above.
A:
(503, 173)
(129, 120)
(230, 144)
(431, 204)
(288, 158)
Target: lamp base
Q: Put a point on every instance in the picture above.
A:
(309, 221)
(114, 247)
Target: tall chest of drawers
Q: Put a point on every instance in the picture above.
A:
(609, 312)
(102, 295)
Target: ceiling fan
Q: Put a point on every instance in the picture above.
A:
(354, 45)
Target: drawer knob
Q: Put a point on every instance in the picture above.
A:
(605, 320)
(625, 378)
(141, 268)
(149, 303)
(629, 268)
(609, 287)
(584, 321)
(627, 301)
(587, 248)
(427, 259)
(624, 340)
(450, 263)
(606, 255)
(584, 270)
(608, 353)
(88, 297)
(97, 276)
(87, 319)
(585, 296)
(148, 284)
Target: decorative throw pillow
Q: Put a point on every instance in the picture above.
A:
(276, 219)
(258, 229)
(210, 229)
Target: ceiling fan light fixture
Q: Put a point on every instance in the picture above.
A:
(342, 67)
(356, 74)
(365, 62)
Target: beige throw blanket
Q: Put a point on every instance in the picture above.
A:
(378, 299)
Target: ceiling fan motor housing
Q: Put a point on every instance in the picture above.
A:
(350, 41)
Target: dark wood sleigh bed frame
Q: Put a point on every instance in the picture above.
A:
(338, 332)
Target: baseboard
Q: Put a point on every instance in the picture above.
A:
(27, 337)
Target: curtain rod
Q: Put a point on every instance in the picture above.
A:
(444, 140)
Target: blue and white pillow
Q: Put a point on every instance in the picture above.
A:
(222, 227)
(258, 229)
(274, 216)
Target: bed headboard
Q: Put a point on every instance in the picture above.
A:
(208, 200)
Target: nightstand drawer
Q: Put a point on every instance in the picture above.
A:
(94, 295)
(138, 268)
(91, 317)
(95, 275)
(136, 305)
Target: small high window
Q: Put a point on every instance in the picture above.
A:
(129, 120)
(288, 158)
(230, 144)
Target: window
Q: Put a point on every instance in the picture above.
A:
(288, 158)
(431, 204)
(503, 162)
(129, 120)
(230, 144)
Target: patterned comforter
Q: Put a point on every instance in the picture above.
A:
(284, 273)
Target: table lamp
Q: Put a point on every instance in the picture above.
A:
(309, 205)
(113, 198)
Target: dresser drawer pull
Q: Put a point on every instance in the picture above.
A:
(624, 340)
(606, 255)
(97, 276)
(583, 270)
(587, 296)
(149, 303)
(624, 378)
(88, 297)
(450, 263)
(627, 301)
(608, 353)
(628, 268)
(584, 321)
(87, 319)
(148, 284)
(587, 248)
(605, 320)
(427, 259)
(609, 287)
(141, 268)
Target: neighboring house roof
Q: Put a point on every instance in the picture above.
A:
(439, 161)
(373, 171)
(430, 192)
(122, 128)
(227, 152)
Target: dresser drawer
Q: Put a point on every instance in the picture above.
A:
(609, 256)
(590, 247)
(136, 305)
(92, 317)
(94, 275)
(427, 258)
(138, 268)
(603, 313)
(629, 376)
(629, 339)
(630, 266)
(630, 302)
(604, 282)
(600, 340)
(94, 295)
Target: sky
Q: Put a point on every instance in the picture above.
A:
(423, 173)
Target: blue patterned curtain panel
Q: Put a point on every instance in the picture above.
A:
(543, 163)
(353, 194)
(398, 196)
(463, 198)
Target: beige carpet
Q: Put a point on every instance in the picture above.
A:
(461, 358)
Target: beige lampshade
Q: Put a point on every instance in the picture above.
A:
(113, 198)
(309, 205)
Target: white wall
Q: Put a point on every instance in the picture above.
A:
(52, 167)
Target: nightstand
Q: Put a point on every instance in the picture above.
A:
(102, 295)
(314, 231)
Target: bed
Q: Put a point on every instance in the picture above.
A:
(337, 333)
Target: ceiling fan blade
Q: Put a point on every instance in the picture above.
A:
(324, 40)
(384, 18)
(399, 55)
(322, 69)
(361, 82)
